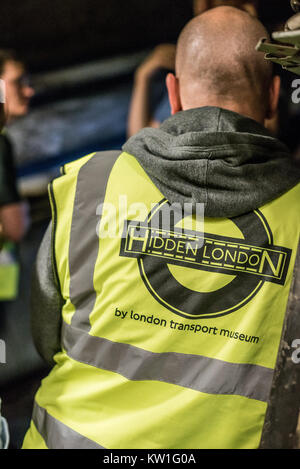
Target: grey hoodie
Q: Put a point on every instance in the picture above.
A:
(209, 155)
(216, 157)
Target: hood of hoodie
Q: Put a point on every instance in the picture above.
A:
(216, 157)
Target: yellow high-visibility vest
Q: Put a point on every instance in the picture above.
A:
(170, 336)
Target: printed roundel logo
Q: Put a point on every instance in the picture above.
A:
(252, 261)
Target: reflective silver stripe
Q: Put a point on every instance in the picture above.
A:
(57, 435)
(84, 242)
(207, 375)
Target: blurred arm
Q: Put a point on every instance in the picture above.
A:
(46, 303)
(163, 56)
(139, 113)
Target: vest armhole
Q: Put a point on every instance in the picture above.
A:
(53, 235)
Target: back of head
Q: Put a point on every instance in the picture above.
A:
(217, 62)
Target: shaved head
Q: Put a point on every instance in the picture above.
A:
(216, 57)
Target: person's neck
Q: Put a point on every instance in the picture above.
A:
(244, 108)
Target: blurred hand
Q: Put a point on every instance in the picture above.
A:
(163, 56)
(15, 221)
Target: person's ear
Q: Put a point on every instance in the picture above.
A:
(274, 94)
(174, 93)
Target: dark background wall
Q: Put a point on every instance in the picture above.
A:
(56, 33)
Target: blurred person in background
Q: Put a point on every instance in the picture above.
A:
(18, 93)
(13, 212)
(14, 219)
(143, 113)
